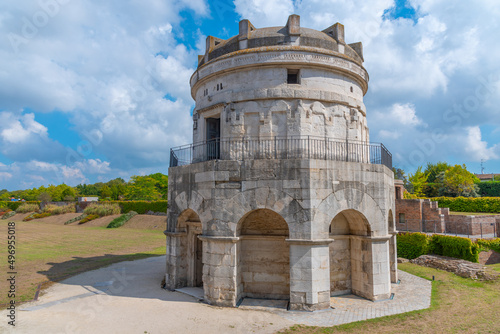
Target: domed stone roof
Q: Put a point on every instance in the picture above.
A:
(330, 39)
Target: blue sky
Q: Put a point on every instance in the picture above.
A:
(92, 90)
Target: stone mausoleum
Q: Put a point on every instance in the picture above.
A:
(281, 195)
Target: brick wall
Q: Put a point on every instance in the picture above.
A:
(424, 215)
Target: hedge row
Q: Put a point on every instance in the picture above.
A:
(493, 244)
(14, 205)
(412, 245)
(489, 188)
(141, 207)
(470, 204)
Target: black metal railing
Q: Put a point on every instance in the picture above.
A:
(307, 147)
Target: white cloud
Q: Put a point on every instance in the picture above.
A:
(405, 114)
(24, 139)
(4, 176)
(94, 166)
(262, 12)
(476, 148)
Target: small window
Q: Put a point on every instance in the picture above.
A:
(292, 76)
(217, 87)
(402, 218)
(221, 86)
(352, 90)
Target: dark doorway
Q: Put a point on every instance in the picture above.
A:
(198, 278)
(213, 138)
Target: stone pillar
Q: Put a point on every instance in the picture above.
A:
(176, 271)
(381, 284)
(393, 257)
(220, 268)
(309, 274)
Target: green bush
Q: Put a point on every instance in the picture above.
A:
(493, 244)
(58, 210)
(489, 188)
(88, 218)
(412, 245)
(72, 220)
(14, 205)
(37, 216)
(141, 207)
(470, 204)
(118, 222)
(102, 209)
(28, 207)
(456, 247)
(8, 215)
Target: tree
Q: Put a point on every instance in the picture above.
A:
(68, 194)
(143, 188)
(161, 184)
(105, 192)
(418, 181)
(432, 170)
(458, 181)
(45, 197)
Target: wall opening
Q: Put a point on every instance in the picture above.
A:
(349, 252)
(264, 255)
(293, 76)
(191, 248)
(213, 138)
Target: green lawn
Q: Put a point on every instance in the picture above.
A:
(473, 213)
(50, 252)
(459, 305)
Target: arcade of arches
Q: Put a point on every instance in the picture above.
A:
(257, 260)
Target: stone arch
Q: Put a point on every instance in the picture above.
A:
(264, 259)
(350, 253)
(186, 216)
(190, 247)
(268, 198)
(353, 197)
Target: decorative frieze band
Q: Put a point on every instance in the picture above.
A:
(281, 57)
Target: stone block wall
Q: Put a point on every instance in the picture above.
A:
(307, 195)
(265, 267)
(340, 265)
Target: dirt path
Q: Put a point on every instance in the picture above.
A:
(126, 298)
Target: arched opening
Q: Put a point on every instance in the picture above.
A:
(264, 255)
(390, 222)
(349, 252)
(191, 247)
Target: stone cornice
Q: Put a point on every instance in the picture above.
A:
(276, 56)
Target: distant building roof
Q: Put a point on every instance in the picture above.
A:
(487, 177)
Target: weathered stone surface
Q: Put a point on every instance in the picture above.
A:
(459, 267)
(283, 224)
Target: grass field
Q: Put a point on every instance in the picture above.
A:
(459, 305)
(51, 252)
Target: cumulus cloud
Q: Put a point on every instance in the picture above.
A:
(22, 138)
(261, 12)
(117, 69)
(476, 147)
(433, 76)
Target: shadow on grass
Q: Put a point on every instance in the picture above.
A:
(78, 265)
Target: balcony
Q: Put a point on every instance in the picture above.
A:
(305, 147)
